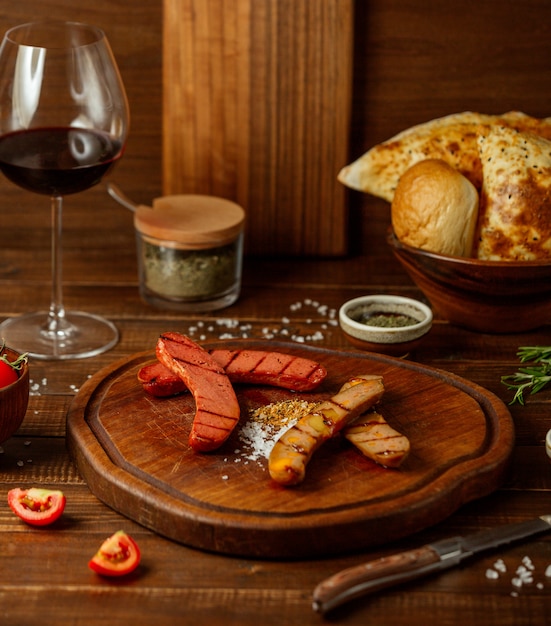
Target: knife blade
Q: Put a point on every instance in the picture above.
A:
(387, 571)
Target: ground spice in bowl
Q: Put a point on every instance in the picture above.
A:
(385, 319)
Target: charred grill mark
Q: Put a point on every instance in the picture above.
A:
(291, 453)
(299, 374)
(217, 409)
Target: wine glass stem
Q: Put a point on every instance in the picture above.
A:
(57, 324)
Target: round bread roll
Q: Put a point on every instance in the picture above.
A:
(435, 208)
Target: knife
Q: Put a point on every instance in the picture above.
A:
(404, 566)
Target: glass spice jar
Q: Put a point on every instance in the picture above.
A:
(190, 252)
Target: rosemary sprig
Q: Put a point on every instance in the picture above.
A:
(532, 378)
(18, 363)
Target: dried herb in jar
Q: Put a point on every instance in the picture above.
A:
(189, 274)
(190, 250)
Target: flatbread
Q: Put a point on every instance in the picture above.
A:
(515, 200)
(453, 139)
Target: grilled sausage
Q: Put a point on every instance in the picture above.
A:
(217, 408)
(292, 451)
(242, 366)
(377, 440)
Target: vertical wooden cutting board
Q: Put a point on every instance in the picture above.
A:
(257, 99)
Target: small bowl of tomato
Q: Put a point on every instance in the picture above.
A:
(14, 391)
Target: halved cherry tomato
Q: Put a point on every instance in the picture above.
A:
(38, 507)
(117, 556)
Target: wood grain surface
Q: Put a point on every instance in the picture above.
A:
(133, 451)
(412, 62)
(257, 106)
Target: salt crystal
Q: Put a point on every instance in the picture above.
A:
(527, 562)
(524, 574)
(500, 566)
(491, 574)
(548, 571)
(260, 433)
(225, 477)
(517, 582)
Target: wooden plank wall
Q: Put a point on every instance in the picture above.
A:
(412, 62)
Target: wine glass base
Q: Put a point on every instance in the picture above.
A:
(81, 335)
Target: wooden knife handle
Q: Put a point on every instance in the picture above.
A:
(374, 575)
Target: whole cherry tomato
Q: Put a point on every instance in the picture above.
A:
(117, 556)
(38, 507)
(8, 373)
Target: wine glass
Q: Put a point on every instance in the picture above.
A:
(63, 125)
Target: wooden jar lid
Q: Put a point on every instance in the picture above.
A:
(194, 221)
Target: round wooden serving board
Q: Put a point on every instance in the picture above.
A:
(132, 449)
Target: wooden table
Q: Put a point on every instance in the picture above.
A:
(43, 573)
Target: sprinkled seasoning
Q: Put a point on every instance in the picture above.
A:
(266, 424)
(524, 574)
(288, 328)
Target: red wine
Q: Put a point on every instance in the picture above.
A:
(57, 161)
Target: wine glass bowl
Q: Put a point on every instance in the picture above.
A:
(63, 125)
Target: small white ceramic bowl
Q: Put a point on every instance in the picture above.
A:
(395, 340)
